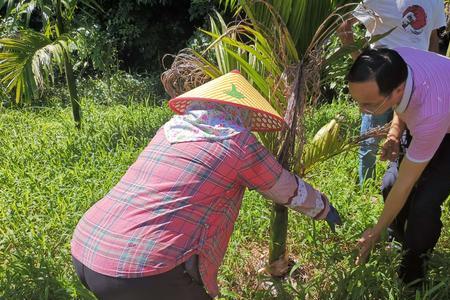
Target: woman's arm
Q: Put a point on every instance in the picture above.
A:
(293, 192)
(259, 170)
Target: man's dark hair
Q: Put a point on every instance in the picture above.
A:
(383, 65)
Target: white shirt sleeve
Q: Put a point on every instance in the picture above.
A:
(364, 14)
(439, 17)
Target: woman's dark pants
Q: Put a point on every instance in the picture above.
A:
(418, 225)
(172, 285)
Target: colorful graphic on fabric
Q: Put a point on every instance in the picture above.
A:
(414, 19)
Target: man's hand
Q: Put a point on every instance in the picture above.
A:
(390, 149)
(365, 244)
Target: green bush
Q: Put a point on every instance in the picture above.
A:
(143, 31)
(121, 88)
(124, 88)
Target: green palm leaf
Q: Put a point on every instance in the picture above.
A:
(28, 60)
(329, 141)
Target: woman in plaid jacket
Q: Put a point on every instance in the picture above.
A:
(162, 231)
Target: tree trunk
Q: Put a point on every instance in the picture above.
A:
(71, 83)
(70, 78)
(278, 236)
(278, 260)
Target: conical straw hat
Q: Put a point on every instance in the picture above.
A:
(233, 89)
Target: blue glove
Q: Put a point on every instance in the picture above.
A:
(333, 218)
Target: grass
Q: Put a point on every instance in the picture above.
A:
(50, 174)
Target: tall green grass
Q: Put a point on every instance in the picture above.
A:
(50, 174)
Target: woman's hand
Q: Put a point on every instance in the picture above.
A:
(365, 244)
(333, 218)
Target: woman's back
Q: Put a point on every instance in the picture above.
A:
(171, 202)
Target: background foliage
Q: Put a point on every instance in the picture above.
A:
(137, 26)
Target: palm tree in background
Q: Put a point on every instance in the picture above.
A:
(28, 58)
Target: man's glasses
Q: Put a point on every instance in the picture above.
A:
(366, 108)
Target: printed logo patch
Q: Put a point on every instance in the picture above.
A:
(414, 19)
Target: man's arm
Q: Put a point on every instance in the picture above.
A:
(423, 147)
(408, 175)
(345, 34)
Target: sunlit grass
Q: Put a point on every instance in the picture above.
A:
(50, 174)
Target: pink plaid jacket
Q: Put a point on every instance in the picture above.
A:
(174, 201)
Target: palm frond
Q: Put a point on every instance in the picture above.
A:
(92, 4)
(301, 18)
(333, 139)
(188, 70)
(20, 8)
(10, 6)
(28, 60)
(327, 142)
(232, 5)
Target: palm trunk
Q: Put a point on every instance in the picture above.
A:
(70, 78)
(278, 261)
(71, 83)
(278, 235)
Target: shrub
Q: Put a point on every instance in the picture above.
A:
(120, 88)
